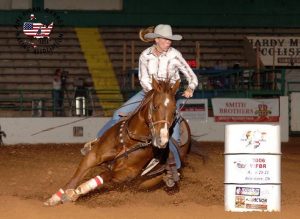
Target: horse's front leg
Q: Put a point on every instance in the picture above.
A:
(85, 165)
(69, 192)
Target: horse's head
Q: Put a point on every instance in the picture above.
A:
(161, 112)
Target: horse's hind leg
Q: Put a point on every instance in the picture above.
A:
(67, 193)
(91, 184)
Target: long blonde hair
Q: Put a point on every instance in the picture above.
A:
(144, 31)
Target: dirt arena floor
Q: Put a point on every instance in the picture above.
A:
(29, 174)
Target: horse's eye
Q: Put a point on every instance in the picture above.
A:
(155, 108)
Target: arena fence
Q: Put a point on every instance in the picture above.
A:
(293, 93)
(234, 83)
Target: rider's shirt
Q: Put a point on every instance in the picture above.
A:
(164, 67)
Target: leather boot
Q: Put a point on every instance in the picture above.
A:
(172, 175)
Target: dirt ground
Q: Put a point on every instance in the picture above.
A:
(29, 174)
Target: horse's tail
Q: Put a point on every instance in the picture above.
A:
(192, 145)
(185, 147)
(189, 134)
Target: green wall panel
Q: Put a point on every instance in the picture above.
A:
(195, 13)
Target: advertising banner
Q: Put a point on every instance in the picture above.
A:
(280, 51)
(245, 110)
(194, 109)
(241, 198)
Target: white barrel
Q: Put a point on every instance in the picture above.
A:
(242, 198)
(252, 167)
(252, 138)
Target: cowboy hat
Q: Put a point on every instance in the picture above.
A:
(163, 31)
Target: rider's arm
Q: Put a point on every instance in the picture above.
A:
(187, 72)
(144, 75)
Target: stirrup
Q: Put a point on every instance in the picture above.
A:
(150, 166)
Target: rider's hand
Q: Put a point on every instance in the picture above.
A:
(188, 93)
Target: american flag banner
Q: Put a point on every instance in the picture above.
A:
(37, 30)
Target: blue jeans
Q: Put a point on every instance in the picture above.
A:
(132, 105)
(129, 106)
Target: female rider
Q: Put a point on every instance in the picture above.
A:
(162, 62)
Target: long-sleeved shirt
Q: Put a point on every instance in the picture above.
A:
(164, 67)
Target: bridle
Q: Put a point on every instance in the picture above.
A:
(143, 141)
(152, 124)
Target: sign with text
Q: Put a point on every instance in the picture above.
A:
(280, 51)
(253, 168)
(245, 110)
(193, 109)
(258, 197)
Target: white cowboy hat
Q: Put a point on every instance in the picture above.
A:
(163, 31)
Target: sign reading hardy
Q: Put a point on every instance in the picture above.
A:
(35, 30)
(278, 51)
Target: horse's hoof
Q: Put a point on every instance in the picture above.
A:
(70, 195)
(55, 198)
(50, 202)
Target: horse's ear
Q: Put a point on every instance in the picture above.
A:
(175, 86)
(155, 84)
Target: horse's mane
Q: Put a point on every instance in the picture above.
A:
(164, 86)
(145, 101)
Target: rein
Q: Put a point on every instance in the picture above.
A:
(144, 141)
(132, 149)
(130, 133)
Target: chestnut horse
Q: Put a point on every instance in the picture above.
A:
(128, 147)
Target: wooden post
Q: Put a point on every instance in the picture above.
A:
(197, 54)
(124, 64)
(132, 64)
(132, 54)
(132, 80)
